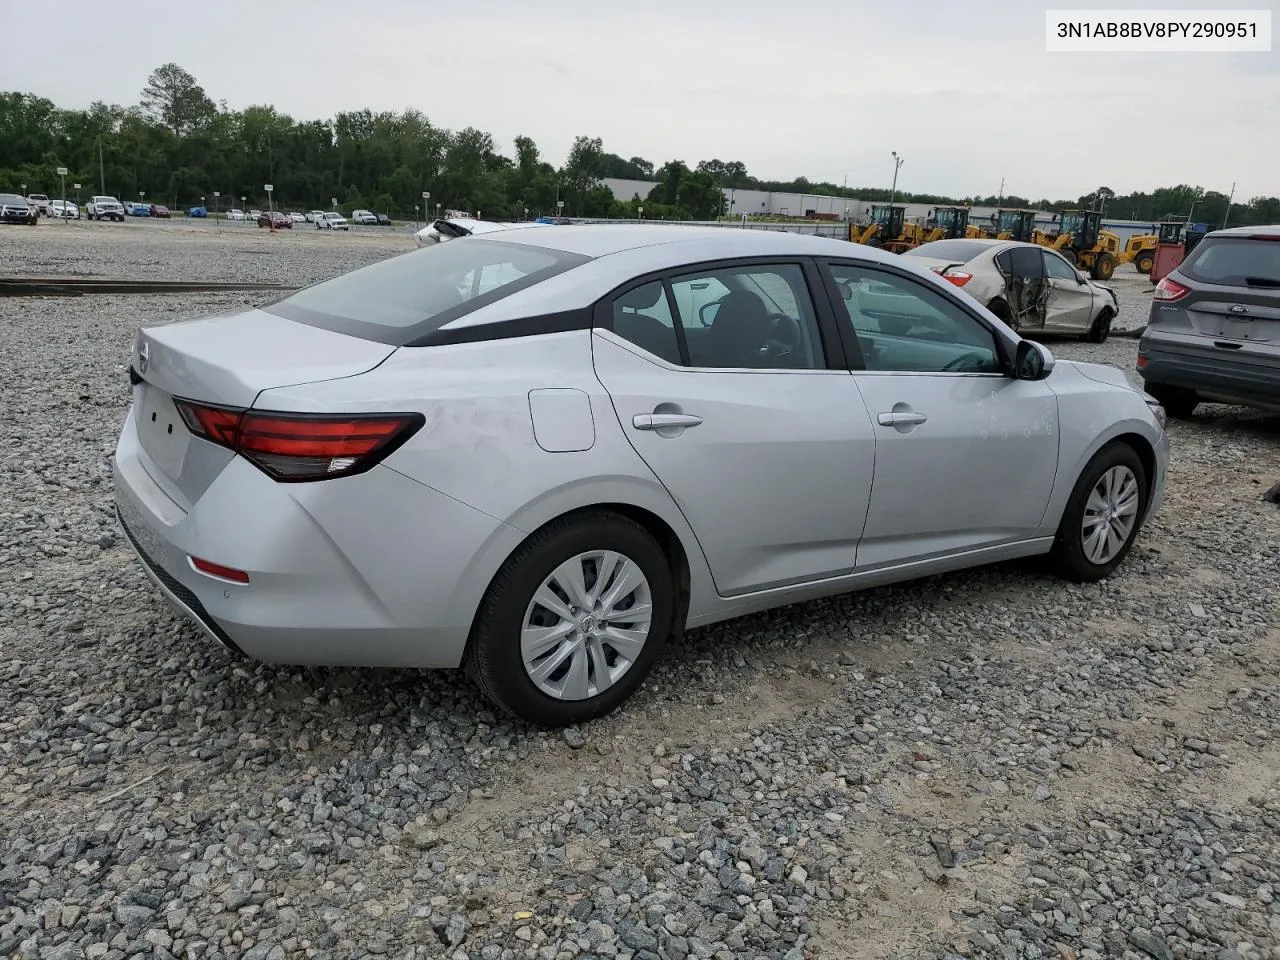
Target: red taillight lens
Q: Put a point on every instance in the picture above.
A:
(1168, 289)
(301, 446)
(219, 571)
(958, 277)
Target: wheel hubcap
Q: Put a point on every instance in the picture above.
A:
(586, 625)
(1110, 515)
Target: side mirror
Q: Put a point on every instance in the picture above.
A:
(1033, 361)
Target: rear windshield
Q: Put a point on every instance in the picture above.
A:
(961, 251)
(400, 300)
(1234, 262)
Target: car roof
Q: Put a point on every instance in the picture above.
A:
(601, 240)
(1267, 230)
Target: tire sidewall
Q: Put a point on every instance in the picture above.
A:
(1069, 544)
(497, 655)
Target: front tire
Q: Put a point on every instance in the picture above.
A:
(1103, 516)
(1145, 261)
(1100, 328)
(1104, 265)
(574, 620)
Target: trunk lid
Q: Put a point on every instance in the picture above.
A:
(225, 360)
(231, 357)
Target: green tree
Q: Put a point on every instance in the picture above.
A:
(173, 98)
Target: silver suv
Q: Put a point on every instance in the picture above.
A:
(1214, 330)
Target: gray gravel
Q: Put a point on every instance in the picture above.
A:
(990, 764)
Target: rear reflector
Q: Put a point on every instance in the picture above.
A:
(219, 571)
(297, 447)
(1168, 289)
(1142, 361)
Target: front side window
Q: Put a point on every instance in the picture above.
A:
(1059, 269)
(400, 300)
(903, 326)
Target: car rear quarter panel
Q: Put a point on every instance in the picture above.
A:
(478, 445)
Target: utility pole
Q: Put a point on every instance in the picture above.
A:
(897, 162)
(102, 176)
(1000, 199)
(1231, 196)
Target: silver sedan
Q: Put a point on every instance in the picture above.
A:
(1028, 286)
(543, 454)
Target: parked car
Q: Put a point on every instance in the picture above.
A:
(161, 211)
(136, 208)
(383, 220)
(105, 208)
(234, 214)
(1213, 333)
(281, 221)
(38, 202)
(1030, 287)
(450, 228)
(17, 209)
(64, 210)
(332, 221)
(314, 215)
(198, 212)
(543, 453)
(296, 217)
(364, 217)
(254, 214)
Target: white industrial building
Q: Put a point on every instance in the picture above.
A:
(768, 203)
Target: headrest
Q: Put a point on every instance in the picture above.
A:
(641, 298)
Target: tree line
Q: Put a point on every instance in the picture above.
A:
(176, 146)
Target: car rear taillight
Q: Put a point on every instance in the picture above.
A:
(298, 447)
(1168, 289)
(958, 277)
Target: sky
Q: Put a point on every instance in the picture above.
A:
(963, 90)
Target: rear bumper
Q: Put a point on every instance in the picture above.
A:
(1213, 373)
(374, 570)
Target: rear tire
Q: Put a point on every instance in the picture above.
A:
(1104, 265)
(497, 658)
(1145, 261)
(1178, 402)
(1103, 516)
(1069, 255)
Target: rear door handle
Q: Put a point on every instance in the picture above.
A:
(656, 421)
(899, 417)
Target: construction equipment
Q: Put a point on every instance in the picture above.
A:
(948, 223)
(1174, 240)
(1081, 239)
(886, 225)
(1140, 250)
(1015, 225)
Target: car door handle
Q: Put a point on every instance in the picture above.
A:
(899, 417)
(656, 421)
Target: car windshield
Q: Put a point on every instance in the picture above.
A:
(400, 300)
(11, 198)
(1235, 262)
(961, 251)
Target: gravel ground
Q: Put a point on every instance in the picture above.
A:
(988, 764)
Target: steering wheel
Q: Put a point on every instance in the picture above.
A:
(964, 360)
(784, 338)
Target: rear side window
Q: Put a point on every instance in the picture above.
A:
(400, 300)
(1234, 262)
